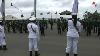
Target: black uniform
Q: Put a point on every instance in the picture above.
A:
(59, 26)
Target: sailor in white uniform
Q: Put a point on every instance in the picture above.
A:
(2, 37)
(72, 36)
(33, 36)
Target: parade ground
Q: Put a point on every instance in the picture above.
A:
(50, 45)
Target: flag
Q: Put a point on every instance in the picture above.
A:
(41, 13)
(75, 7)
(48, 12)
(2, 8)
(56, 13)
(22, 16)
(94, 3)
(11, 4)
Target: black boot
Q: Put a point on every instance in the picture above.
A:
(36, 53)
(67, 54)
(4, 47)
(75, 54)
(30, 53)
(0, 47)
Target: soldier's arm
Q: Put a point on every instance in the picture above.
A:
(37, 32)
(79, 27)
(33, 29)
(0, 30)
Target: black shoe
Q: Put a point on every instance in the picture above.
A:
(30, 53)
(67, 54)
(75, 54)
(36, 53)
(4, 47)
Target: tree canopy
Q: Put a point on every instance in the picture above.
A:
(65, 13)
(91, 16)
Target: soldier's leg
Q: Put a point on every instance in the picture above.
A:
(8, 29)
(0, 44)
(51, 27)
(93, 29)
(69, 45)
(35, 43)
(26, 30)
(20, 29)
(60, 30)
(30, 46)
(75, 44)
(4, 43)
(98, 31)
(14, 29)
(43, 32)
(87, 33)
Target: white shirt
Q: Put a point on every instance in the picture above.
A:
(33, 34)
(2, 34)
(72, 32)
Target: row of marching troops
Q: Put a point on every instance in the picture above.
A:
(16, 26)
(21, 26)
(61, 25)
(91, 27)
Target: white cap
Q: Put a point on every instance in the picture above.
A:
(0, 21)
(32, 18)
(74, 13)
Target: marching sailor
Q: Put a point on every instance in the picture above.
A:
(74, 29)
(33, 36)
(2, 37)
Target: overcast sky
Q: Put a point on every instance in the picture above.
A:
(45, 6)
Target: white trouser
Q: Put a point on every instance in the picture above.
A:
(33, 43)
(72, 45)
(2, 41)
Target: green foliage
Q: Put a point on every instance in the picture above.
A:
(91, 16)
(65, 13)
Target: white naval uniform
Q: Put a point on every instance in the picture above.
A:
(2, 36)
(33, 36)
(72, 37)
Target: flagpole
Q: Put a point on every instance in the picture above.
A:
(34, 8)
(75, 11)
(3, 12)
(51, 15)
(56, 16)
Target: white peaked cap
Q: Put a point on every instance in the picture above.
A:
(32, 18)
(74, 13)
(0, 21)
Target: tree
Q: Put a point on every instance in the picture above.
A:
(91, 16)
(65, 13)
